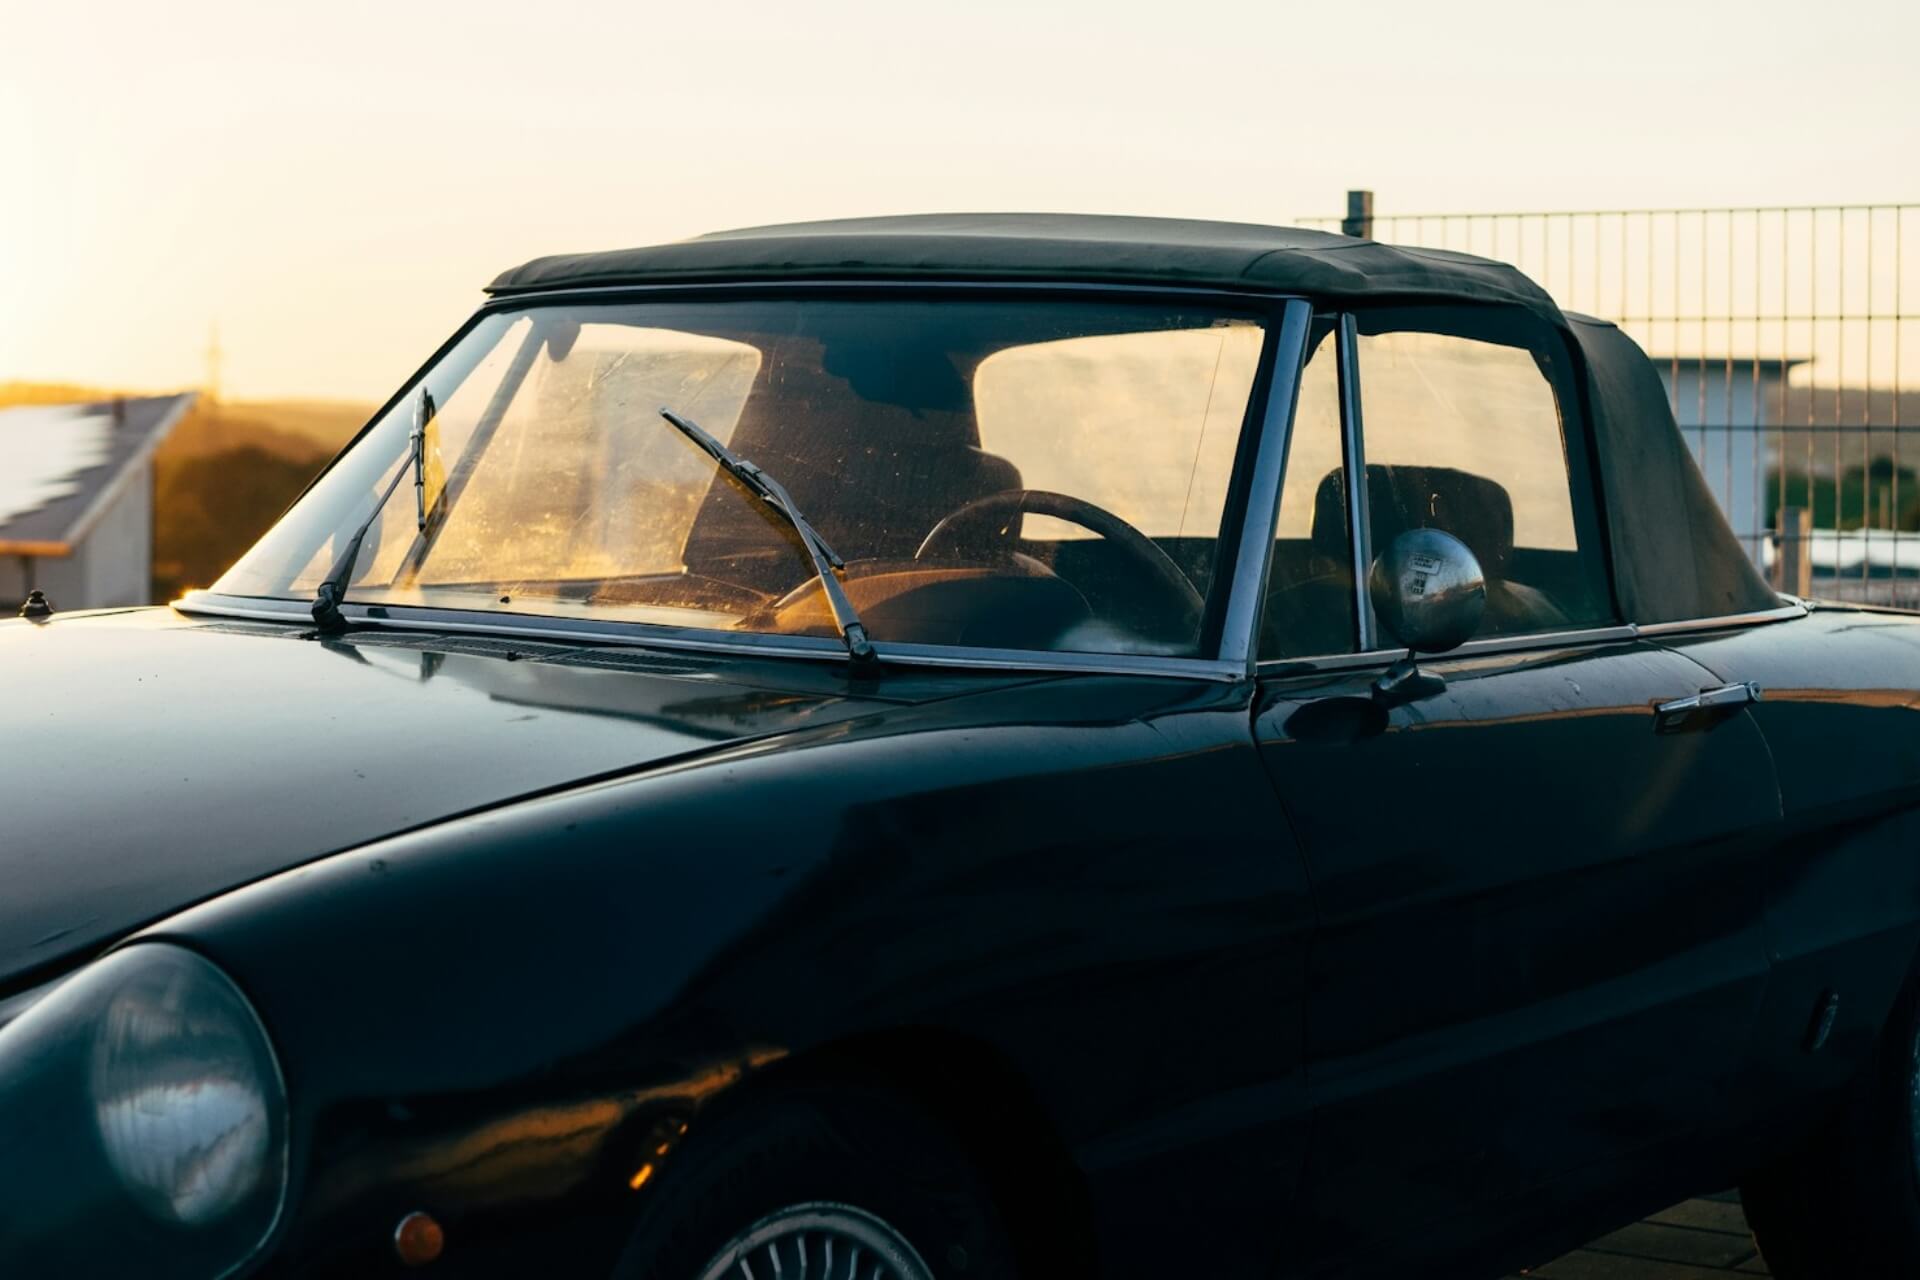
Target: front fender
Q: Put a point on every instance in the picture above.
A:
(516, 1015)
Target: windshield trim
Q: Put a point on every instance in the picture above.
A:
(696, 639)
(1270, 424)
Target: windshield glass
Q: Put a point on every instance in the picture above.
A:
(1014, 474)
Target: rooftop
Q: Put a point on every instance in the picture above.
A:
(62, 465)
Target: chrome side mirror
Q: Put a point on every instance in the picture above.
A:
(1429, 592)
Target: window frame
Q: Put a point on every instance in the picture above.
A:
(1589, 512)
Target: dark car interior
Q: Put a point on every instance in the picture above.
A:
(880, 444)
(1310, 596)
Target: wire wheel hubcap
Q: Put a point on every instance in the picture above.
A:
(1913, 1112)
(818, 1241)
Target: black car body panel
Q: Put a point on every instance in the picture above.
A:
(1473, 982)
(245, 753)
(1843, 723)
(899, 875)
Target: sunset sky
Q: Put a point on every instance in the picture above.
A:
(332, 184)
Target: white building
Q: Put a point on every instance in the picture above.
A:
(1729, 412)
(76, 500)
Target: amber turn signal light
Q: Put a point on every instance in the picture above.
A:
(418, 1239)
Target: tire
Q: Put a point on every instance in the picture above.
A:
(1846, 1203)
(817, 1170)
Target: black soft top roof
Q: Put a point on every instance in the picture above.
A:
(1052, 247)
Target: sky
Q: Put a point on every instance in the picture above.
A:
(331, 184)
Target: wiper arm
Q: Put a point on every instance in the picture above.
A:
(417, 442)
(774, 494)
(333, 588)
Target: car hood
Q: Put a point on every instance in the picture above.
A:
(153, 760)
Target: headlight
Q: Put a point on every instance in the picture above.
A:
(149, 1123)
(184, 1090)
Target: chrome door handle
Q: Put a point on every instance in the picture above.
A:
(1679, 713)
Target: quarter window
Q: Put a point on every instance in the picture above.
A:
(1465, 430)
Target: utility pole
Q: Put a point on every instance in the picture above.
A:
(213, 365)
(1359, 219)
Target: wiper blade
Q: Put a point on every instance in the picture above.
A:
(332, 591)
(774, 494)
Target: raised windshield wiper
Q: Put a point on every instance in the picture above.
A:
(333, 588)
(771, 492)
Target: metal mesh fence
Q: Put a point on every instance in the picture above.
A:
(1789, 354)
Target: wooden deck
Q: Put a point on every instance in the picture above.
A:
(1700, 1240)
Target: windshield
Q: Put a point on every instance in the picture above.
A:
(1047, 475)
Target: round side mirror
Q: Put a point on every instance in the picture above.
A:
(1428, 591)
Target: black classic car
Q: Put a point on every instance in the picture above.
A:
(969, 747)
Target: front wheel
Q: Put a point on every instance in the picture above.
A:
(825, 1185)
(1847, 1202)
(837, 1239)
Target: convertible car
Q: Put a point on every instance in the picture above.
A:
(969, 747)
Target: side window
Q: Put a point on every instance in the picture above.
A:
(1466, 428)
(1310, 584)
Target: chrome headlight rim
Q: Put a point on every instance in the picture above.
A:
(275, 1168)
(72, 1207)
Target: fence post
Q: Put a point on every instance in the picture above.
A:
(1793, 561)
(1359, 219)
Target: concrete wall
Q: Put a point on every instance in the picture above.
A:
(117, 556)
(113, 565)
(63, 578)
(1723, 416)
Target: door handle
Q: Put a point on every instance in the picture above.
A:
(1684, 713)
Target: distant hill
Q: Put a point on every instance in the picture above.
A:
(225, 473)
(12, 393)
(291, 428)
(228, 471)
(208, 508)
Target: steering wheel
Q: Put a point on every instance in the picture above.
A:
(998, 512)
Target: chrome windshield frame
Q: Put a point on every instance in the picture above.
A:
(1287, 319)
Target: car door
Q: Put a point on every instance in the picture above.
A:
(1538, 944)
